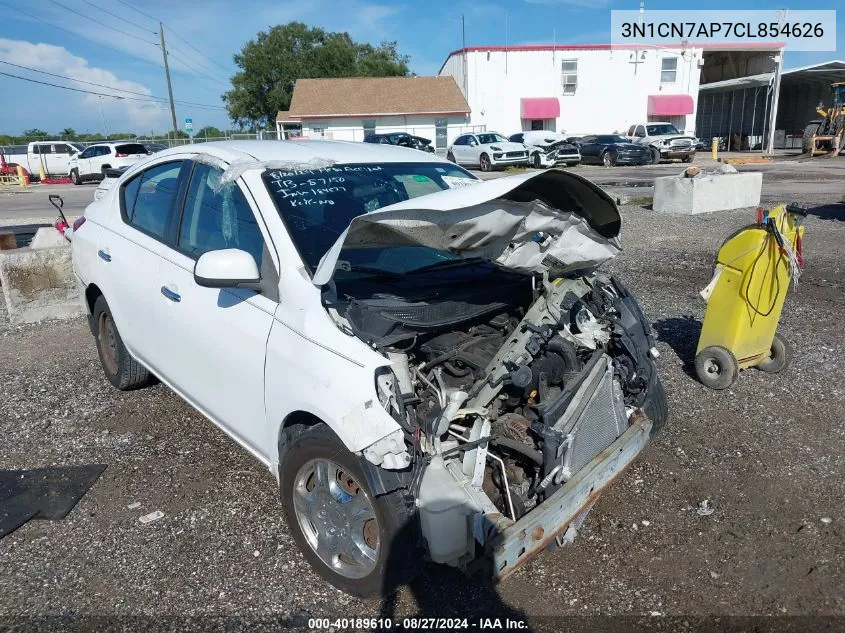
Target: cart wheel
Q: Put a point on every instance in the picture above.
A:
(779, 356)
(716, 367)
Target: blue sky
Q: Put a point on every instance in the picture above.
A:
(203, 36)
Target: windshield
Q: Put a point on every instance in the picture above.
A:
(612, 139)
(317, 205)
(484, 139)
(660, 130)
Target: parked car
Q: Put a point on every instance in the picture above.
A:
(110, 176)
(91, 163)
(486, 150)
(547, 149)
(53, 156)
(402, 139)
(612, 149)
(423, 376)
(663, 141)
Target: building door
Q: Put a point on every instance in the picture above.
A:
(440, 132)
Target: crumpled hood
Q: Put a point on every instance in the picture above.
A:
(535, 222)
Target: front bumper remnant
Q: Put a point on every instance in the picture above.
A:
(510, 544)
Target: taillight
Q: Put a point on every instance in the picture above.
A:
(121, 155)
(78, 222)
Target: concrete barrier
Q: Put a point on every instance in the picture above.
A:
(706, 193)
(48, 237)
(39, 284)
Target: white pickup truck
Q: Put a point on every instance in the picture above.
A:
(53, 156)
(664, 140)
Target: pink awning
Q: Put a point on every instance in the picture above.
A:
(669, 105)
(540, 108)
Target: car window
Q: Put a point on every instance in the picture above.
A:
(148, 198)
(105, 150)
(517, 138)
(586, 140)
(87, 153)
(216, 218)
(130, 148)
(640, 131)
(461, 140)
(317, 205)
(491, 137)
(612, 138)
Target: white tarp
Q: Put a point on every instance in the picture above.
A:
(531, 222)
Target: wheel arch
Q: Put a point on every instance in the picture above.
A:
(92, 293)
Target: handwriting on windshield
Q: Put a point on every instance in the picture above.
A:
(314, 187)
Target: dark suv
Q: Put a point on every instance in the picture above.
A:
(401, 138)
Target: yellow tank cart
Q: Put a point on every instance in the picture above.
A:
(754, 268)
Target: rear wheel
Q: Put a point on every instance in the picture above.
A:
(807, 138)
(121, 370)
(716, 367)
(779, 356)
(655, 155)
(362, 544)
(484, 163)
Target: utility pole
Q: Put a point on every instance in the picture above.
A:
(167, 74)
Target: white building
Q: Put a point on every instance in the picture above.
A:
(576, 89)
(351, 108)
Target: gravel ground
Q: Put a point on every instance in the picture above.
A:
(768, 455)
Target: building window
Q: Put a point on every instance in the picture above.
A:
(318, 130)
(440, 130)
(369, 128)
(569, 76)
(669, 70)
(537, 124)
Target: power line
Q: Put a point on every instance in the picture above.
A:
(61, 28)
(192, 59)
(187, 43)
(115, 15)
(91, 92)
(136, 10)
(113, 28)
(196, 70)
(91, 83)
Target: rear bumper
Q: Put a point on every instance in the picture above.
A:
(511, 544)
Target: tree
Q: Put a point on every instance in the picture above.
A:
(69, 134)
(35, 133)
(209, 131)
(272, 62)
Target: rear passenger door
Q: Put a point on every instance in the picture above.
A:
(128, 257)
(214, 341)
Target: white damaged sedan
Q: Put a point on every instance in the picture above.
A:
(431, 366)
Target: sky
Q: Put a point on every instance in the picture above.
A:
(113, 43)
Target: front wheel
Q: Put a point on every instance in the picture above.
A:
(688, 158)
(362, 544)
(716, 367)
(655, 156)
(74, 177)
(484, 163)
(450, 157)
(608, 159)
(536, 162)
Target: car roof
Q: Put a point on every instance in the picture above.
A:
(305, 150)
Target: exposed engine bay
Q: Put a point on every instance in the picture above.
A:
(513, 368)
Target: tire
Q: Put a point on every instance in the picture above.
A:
(391, 520)
(450, 157)
(484, 163)
(536, 162)
(608, 159)
(74, 177)
(807, 137)
(655, 155)
(688, 159)
(716, 367)
(121, 370)
(656, 407)
(779, 357)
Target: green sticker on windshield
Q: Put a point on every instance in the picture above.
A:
(419, 178)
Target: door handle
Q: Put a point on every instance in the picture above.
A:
(173, 296)
(104, 255)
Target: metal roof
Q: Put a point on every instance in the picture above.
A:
(825, 72)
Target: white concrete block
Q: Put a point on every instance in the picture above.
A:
(48, 237)
(39, 284)
(720, 192)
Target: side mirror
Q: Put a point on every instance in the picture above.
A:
(227, 268)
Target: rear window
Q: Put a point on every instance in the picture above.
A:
(131, 148)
